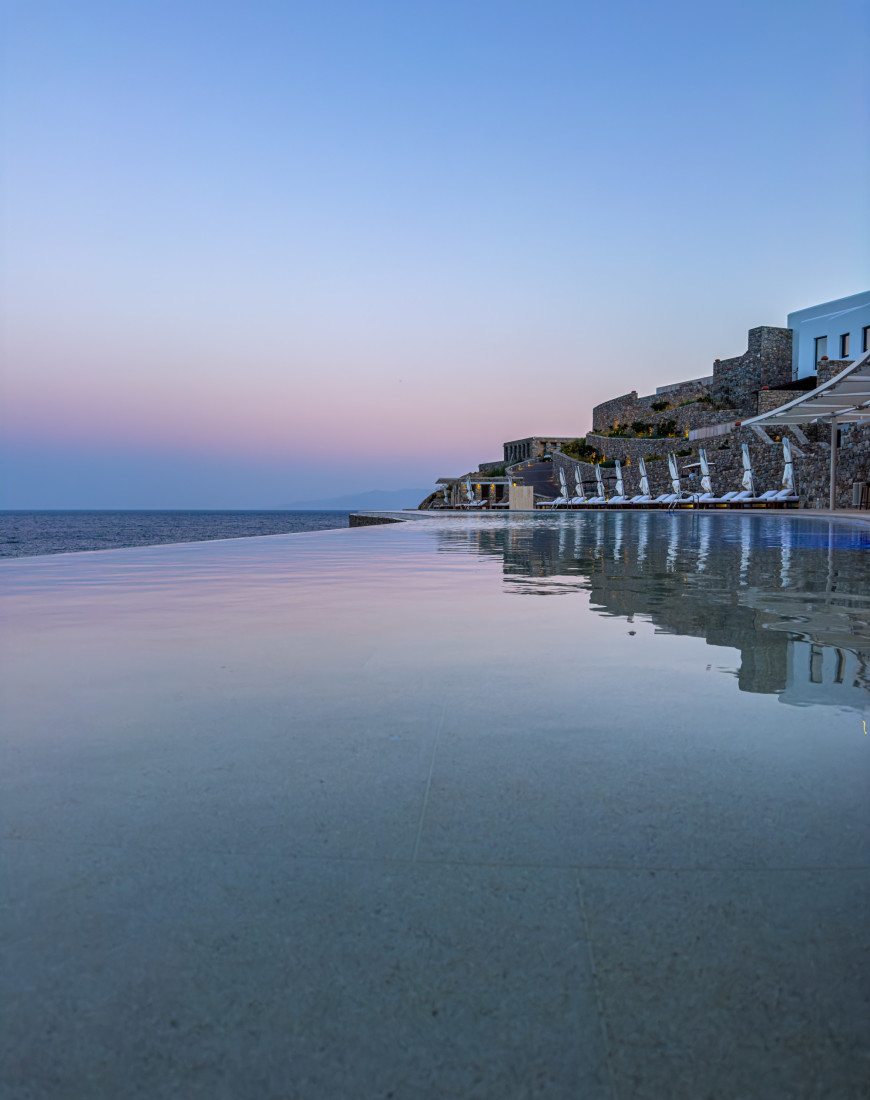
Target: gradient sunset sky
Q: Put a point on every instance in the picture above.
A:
(261, 252)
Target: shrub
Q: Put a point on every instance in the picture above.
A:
(579, 449)
(660, 406)
(639, 427)
(665, 429)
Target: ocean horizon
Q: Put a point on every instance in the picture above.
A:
(26, 533)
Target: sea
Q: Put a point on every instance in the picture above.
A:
(23, 534)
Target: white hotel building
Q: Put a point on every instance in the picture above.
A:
(838, 330)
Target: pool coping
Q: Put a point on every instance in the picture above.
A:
(370, 518)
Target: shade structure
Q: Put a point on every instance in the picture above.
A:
(748, 480)
(706, 483)
(644, 479)
(675, 474)
(788, 471)
(843, 399)
(599, 481)
(620, 484)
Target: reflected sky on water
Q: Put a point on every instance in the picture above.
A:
(785, 601)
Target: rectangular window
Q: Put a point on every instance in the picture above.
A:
(844, 346)
(866, 341)
(821, 348)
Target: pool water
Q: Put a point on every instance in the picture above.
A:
(350, 813)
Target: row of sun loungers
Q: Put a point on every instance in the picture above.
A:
(678, 497)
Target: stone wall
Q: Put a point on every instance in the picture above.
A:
(623, 410)
(626, 448)
(618, 410)
(772, 399)
(828, 368)
(706, 381)
(811, 461)
(766, 362)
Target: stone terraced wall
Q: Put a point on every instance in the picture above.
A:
(766, 362)
(618, 410)
(772, 399)
(629, 407)
(811, 466)
(626, 448)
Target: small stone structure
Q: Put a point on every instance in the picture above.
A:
(533, 446)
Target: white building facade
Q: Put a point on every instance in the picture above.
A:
(838, 330)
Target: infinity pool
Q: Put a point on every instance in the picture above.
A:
(561, 806)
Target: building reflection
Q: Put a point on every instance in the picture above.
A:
(791, 595)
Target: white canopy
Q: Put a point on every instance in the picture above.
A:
(843, 399)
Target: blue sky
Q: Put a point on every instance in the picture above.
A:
(257, 253)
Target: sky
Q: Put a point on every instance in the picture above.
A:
(264, 252)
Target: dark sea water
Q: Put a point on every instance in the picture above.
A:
(25, 533)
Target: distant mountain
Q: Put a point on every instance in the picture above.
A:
(374, 500)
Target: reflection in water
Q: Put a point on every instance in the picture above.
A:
(791, 594)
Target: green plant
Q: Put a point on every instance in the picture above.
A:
(660, 406)
(639, 427)
(653, 458)
(666, 429)
(685, 451)
(724, 446)
(580, 449)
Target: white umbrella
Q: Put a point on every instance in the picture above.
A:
(620, 485)
(469, 492)
(748, 483)
(562, 482)
(578, 482)
(675, 474)
(644, 480)
(600, 482)
(706, 483)
(788, 472)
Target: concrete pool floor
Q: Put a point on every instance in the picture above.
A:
(345, 815)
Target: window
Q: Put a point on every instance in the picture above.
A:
(866, 341)
(821, 348)
(844, 346)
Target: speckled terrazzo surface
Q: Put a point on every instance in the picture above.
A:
(559, 806)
